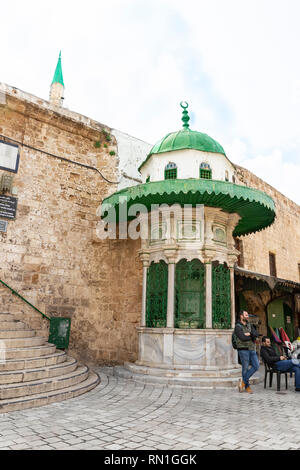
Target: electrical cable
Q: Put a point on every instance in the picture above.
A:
(60, 158)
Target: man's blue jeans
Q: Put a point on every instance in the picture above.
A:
(249, 358)
(288, 366)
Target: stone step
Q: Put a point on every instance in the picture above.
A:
(18, 333)
(44, 385)
(205, 383)
(21, 342)
(33, 372)
(12, 325)
(47, 398)
(183, 372)
(27, 375)
(26, 352)
(34, 362)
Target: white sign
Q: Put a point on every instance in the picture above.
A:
(9, 156)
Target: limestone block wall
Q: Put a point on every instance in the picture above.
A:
(50, 253)
(282, 238)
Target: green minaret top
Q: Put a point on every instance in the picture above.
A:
(185, 117)
(58, 75)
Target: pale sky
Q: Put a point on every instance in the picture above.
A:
(129, 63)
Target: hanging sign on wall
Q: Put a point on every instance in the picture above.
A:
(8, 207)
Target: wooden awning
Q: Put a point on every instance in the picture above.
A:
(272, 281)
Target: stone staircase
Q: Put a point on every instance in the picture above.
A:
(33, 372)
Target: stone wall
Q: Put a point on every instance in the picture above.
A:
(131, 153)
(50, 253)
(282, 238)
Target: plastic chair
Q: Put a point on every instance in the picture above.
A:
(272, 370)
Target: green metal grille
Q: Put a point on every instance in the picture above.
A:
(190, 294)
(221, 298)
(171, 174)
(157, 295)
(205, 174)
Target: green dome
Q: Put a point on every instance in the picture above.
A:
(185, 139)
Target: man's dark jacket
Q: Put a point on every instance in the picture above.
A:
(243, 341)
(269, 355)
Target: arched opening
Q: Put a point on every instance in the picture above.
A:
(157, 295)
(205, 171)
(190, 294)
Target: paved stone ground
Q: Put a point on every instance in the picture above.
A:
(120, 414)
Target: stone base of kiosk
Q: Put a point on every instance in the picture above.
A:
(189, 358)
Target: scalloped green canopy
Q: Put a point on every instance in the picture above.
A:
(256, 208)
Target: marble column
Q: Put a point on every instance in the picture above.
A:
(208, 295)
(144, 295)
(144, 256)
(232, 295)
(171, 293)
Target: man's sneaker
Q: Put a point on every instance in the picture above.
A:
(241, 385)
(248, 389)
(297, 389)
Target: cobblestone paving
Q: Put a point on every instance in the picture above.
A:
(120, 414)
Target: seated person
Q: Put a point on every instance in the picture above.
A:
(296, 349)
(280, 363)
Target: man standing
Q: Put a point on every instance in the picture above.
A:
(245, 340)
(270, 356)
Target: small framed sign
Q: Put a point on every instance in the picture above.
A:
(9, 156)
(3, 225)
(8, 207)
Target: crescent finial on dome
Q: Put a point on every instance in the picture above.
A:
(185, 116)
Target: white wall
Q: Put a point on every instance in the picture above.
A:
(132, 152)
(188, 163)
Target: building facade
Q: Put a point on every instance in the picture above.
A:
(58, 167)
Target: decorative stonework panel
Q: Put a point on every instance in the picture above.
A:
(220, 235)
(158, 233)
(188, 231)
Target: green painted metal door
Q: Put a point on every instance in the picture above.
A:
(275, 314)
(280, 315)
(221, 296)
(157, 295)
(190, 294)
